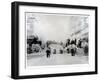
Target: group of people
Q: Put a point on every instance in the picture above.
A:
(75, 44)
(71, 47)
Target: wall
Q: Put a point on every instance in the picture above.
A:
(5, 41)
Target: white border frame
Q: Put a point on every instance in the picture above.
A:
(63, 68)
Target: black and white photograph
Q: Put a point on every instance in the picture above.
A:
(50, 40)
(56, 39)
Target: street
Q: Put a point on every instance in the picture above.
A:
(55, 59)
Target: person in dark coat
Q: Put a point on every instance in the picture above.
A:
(67, 50)
(75, 41)
(86, 50)
(48, 52)
(80, 43)
(72, 52)
(68, 42)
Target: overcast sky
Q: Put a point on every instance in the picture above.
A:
(53, 26)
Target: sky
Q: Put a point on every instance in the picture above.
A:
(56, 27)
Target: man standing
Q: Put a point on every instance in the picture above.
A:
(73, 50)
(48, 52)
